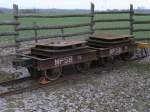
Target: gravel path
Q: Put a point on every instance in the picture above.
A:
(123, 87)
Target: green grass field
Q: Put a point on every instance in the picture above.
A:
(30, 21)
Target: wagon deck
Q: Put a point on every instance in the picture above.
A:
(61, 45)
(110, 37)
(59, 49)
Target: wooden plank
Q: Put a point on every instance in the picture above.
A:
(131, 19)
(8, 33)
(112, 20)
(140, 30)
(43, 27)
(8, 23)
(25, 39)
(15, 14)
(141, 14)
(141, 22)
(111, 12)
(15, 10)
(53, 36)
(52, 16)
(92, 18)
(144, 38)
(118, 28)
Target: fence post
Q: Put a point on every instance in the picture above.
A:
(15, 16)
(35, 32)
(62, 32)
(131, 19)
(92, 18)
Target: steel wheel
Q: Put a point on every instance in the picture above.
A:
(82, 67)
(53, 74)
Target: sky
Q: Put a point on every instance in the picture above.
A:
(76, 4)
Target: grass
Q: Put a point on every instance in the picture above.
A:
(30, 21)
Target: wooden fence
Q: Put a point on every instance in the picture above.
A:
(91, 24)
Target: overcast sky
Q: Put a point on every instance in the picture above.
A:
(76, 4)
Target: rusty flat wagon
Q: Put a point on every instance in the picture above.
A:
(44, 59)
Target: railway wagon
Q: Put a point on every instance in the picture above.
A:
(47, 60)
(109, 45)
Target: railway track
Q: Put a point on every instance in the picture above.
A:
(34, 86)
(37, 85)
(15, 81)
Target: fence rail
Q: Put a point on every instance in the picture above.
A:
(141, 14)
(9, 23)
(8, 33)
(53, 16)
(112, 12)
(113, 20)
(141, 22)
(44, 27)
(141, 30)
(18, 27)
(144, 38)
(53, 36)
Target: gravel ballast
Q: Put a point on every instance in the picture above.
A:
(119, 87)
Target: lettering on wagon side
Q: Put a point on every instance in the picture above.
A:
(63, 60)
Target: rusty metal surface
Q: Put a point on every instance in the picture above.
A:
(57, 51)
(109, 46)
(15, 81)
(117, 50)
(110, 36)
(46, 54)
(69, 59)
(108, 43)
(56, 55)
(35, 86)
(62, 45)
